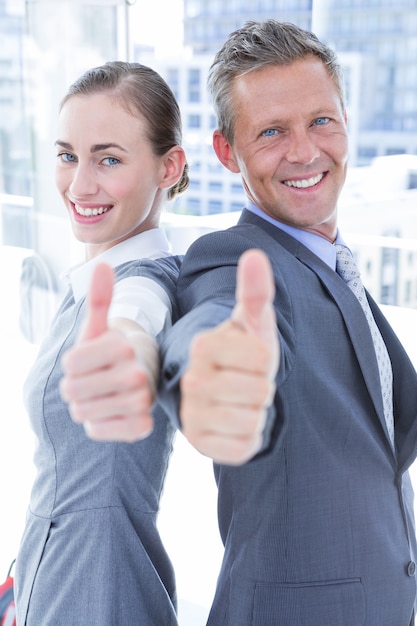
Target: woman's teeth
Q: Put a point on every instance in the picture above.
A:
(90, 212)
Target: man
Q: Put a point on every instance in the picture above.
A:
(315, 502)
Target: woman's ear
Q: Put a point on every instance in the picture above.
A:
(224, 152)
(174, 163)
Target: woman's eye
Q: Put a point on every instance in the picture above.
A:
(111, 161)
(67, 157)
(270, 132)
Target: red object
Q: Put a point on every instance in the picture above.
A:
(7, 605)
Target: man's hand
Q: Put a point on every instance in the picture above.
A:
(108, 390)
(229, 383)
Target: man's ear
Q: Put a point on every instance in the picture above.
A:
(224, 152)
(174, 163)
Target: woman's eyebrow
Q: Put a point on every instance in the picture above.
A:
(98, 147)
(63, 144)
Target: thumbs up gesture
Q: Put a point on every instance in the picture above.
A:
(229, 383)
(109, 373)
(99, 301)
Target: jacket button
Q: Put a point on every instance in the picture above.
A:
(170, 371)
(411, 568)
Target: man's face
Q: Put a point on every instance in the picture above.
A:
(290, 143)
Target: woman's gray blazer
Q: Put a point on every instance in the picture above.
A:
(91, 553)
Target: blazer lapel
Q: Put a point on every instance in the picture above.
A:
(358, 330)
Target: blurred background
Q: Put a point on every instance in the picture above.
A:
(44, 46)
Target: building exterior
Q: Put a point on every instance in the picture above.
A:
(207, 23)
(384, 34)
(39, 58)
(14, 130)
(376, 44)
(213, 189)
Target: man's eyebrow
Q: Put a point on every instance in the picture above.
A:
(98, 147)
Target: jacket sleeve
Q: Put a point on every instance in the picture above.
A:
(206, 297)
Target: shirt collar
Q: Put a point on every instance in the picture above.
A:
(316, 244)
(149, 244)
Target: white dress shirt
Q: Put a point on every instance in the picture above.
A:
(320, 246)
(137, 298)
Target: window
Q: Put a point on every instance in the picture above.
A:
(172, 78)
(412, 180)
(215, 206)
(194, 121)
(195, 185)
(215, 185)
(194, 85)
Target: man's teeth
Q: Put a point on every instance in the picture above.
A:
(304, 183)
(90, 212)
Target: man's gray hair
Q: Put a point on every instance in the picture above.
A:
(256, 45)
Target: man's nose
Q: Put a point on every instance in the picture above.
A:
(302, 147)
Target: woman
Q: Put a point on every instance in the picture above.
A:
(91, 553)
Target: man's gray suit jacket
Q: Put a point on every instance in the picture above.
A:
(318, 528)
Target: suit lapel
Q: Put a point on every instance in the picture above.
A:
(358, 330)
(351, 311)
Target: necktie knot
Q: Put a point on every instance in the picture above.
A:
(345, 264)
(349, 271)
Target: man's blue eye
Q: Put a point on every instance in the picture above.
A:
(270, 132)
(321, 121)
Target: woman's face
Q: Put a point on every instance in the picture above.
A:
(110, 180)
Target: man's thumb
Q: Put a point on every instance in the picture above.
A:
(98, 302)
(255, 290)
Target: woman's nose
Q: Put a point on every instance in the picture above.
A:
(83, 182)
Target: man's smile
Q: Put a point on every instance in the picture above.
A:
(304, 183)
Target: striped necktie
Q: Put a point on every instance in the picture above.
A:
(348, 270)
